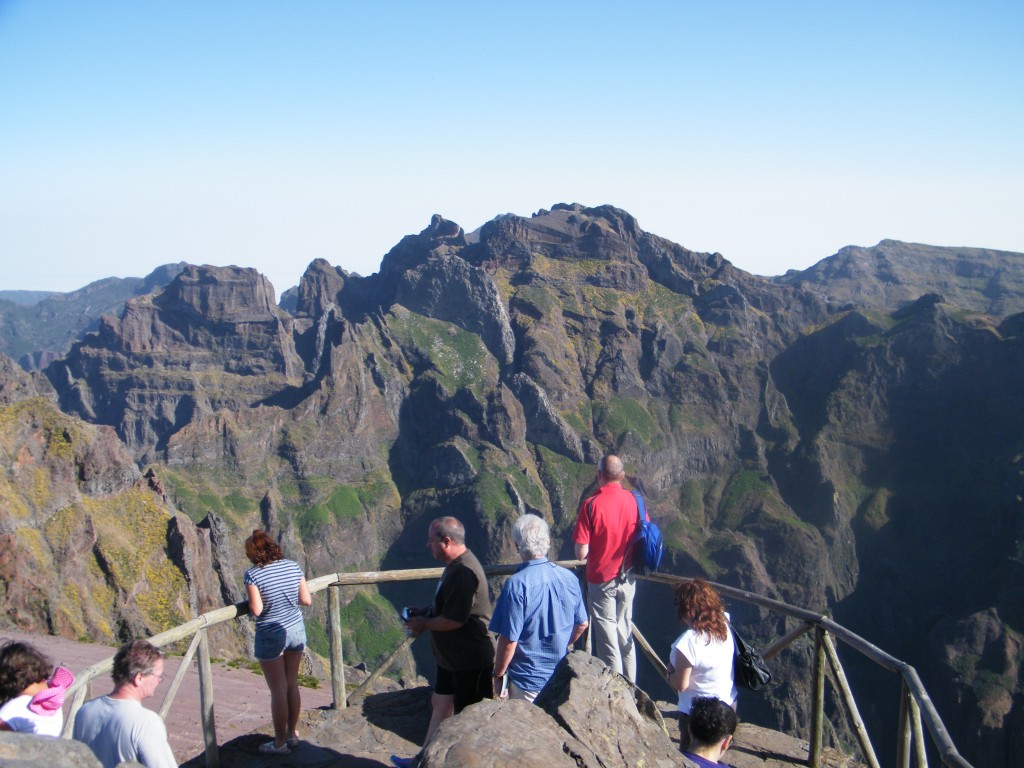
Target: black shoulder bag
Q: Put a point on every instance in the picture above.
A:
(748, 668)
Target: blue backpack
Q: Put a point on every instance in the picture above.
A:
(646, 544)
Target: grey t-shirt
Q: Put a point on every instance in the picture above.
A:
(121, 730)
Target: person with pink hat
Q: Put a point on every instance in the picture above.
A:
(31, 690)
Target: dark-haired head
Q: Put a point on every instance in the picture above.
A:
(21, 665)
(699, 605)
(711, 721)
(449, 528)
(135, 658)
(261, 549)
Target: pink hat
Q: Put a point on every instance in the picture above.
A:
(49, 701)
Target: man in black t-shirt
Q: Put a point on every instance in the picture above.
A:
(457, 621)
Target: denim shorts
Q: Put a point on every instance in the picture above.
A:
(272, 640)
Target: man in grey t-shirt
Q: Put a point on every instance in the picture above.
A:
(117, 727)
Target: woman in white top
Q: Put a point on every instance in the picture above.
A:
(700, 661)
(30, 701)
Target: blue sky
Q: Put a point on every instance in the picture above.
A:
(267, 134)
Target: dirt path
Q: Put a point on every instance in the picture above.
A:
(242, 702)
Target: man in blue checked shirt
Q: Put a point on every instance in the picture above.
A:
(538, 616)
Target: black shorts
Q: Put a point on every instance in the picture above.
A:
(468, 686)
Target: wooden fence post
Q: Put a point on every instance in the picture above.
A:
(859, 729)
(206, 702)
(817, 700)
(76, 704)
(172, 690)
(915, 722)
(385, 665)
(904, 732)
(337, 658)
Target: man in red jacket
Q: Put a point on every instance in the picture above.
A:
(604, 525)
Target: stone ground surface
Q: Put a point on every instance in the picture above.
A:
(362, 736)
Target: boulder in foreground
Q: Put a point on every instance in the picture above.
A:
(586, 717)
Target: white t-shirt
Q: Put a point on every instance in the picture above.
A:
(712, 667)
(19, 717)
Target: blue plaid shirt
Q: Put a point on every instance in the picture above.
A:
(538, 608)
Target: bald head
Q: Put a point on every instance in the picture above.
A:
(611, 469)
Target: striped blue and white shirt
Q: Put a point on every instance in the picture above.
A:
(278, 583)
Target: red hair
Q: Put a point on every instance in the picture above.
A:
(699, 605)
(261, 549)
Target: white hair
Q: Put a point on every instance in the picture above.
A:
(532, 536)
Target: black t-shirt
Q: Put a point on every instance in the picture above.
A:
(462, 596)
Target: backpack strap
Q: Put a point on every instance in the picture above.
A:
(641, 507)
(641, 516)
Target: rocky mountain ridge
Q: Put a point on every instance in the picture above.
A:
(892, 274)
(39, 327)
(862, 460)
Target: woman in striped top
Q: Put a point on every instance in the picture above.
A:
(276, 589)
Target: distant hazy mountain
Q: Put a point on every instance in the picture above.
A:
(26, 298)
(39, 327)
(892, 274)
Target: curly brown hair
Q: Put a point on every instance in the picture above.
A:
(699, 605)
(21, 665)
(261, 549)
(711, 720)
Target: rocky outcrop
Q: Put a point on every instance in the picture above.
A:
(587, 716)
(449, 289)
(16, 384)
(607, 713)
(493, 734)
(24, 750)
(212, 339)
(544, 425)
(983, 655)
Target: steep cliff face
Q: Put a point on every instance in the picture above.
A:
(910, 443)
(212, 340)
(862, 461)
(84, 536)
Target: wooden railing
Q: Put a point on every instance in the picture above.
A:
(915, 704)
